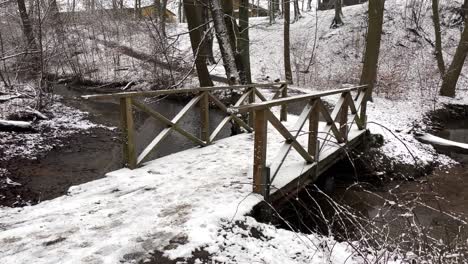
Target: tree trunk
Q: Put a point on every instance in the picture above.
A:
(438, 38)
(31, 43)
(337, 21)
(374, 34)
(309, 5)
(162, 17)
(234, 36)
(449, 83)
(244, 42)
(297, 12)
(27, 26)
(209, 38)
(286, 48)
(271, 11)
(224, 42)
(194, 13)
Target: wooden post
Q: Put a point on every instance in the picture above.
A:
(205, 117)
(363, 114)
(260, 149)
(284, 107)
(313, 130)
(344, 118)
(128, 132)
(251, 101)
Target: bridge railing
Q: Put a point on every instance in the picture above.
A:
(203, 96)
(347, 112)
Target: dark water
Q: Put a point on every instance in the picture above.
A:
(91, 154)
(429, 213)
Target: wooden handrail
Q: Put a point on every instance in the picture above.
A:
(203, 97)
(178, 91)
(346, 113)
(293, 99)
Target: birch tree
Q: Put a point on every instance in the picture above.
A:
(225, 47)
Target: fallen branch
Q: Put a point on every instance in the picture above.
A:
(15, 126)
(8, 97)
(444, 144)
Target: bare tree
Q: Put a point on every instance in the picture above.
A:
(452, 74)
(438, 38)
(374, 34)
(337, 21)
(286, 48)
(243, 41)
(194, 13)
(225, 47)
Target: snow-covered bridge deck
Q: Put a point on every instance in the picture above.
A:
(186, 196)
(182, 202)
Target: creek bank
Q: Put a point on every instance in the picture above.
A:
(76, 146)
(388, 205)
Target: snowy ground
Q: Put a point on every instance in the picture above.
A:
(194, 199)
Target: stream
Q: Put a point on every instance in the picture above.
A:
(427, 215)
(89, 155)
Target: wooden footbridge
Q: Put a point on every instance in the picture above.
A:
(318, 136)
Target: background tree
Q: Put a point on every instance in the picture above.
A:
(449, 83)
(243, 41)
(31, 44)
(337, 21)
(229, 61)
(194, 13)
(286, 48)
(374, 35)
(438, 38)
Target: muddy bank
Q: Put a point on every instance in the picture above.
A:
(80, 158)
(87, 154)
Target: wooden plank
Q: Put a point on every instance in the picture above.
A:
(309, 176)
(175, 91)
(158, 139)
(331, 126)
(290, 139)
(243, 98)
(220, 127)
(224, 108)
(292, 99)
(343, 117)
(260, 151)
(284, 107)
(205, 117)
(285, 148)
(314, 119)
(260, 95)
(168, 122)
(278, 93)
(354, 113)
(251, 101)
(128, 132)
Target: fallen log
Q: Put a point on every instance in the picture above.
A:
(7, 97)
(15, 126)
(444, 144)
